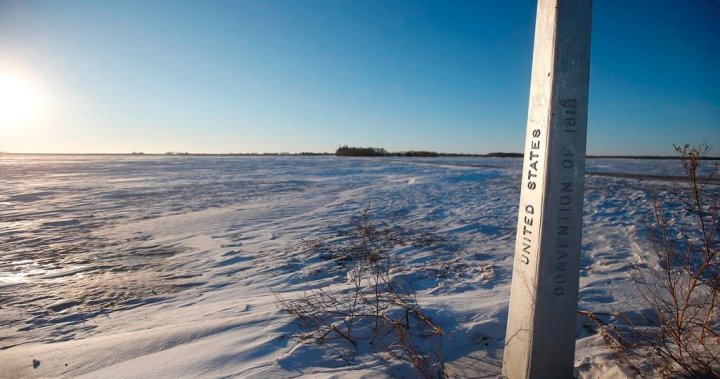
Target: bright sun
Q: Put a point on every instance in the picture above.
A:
(18, 101)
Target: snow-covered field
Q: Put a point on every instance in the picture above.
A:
(165, 266)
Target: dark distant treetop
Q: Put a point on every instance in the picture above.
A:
(505, 155)
(310, 153)
(345, 151)
(351, 151)
(420, 154)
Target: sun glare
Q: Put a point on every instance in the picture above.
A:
(18, 101)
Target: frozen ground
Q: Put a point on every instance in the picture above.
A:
(165, 266)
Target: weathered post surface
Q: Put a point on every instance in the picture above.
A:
(540, 339)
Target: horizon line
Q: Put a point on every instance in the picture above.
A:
(309, 153)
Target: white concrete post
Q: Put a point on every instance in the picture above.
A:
(540, 338)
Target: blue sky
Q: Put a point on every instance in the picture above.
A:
(274, 76)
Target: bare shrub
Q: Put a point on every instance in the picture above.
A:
(372, 311)
(679, 333)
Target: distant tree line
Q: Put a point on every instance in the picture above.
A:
(370, 152)
(346, 151)
(351, 151)
(419, 154)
